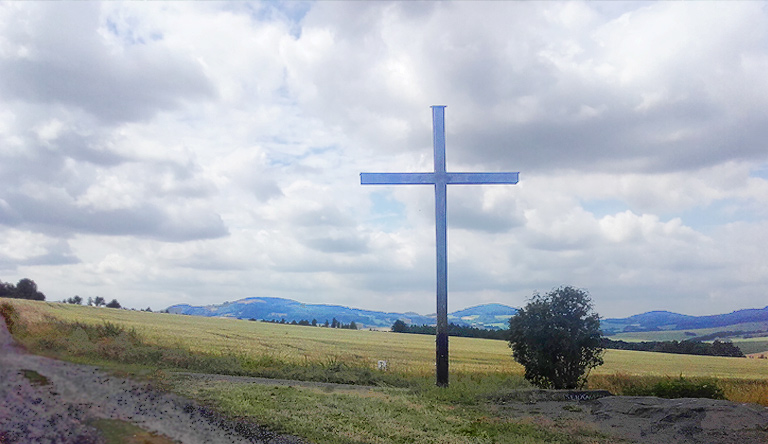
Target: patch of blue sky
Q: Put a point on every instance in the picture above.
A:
(387, 213)
(706, 218)
(290, 12)
(760, 172)
(604, 207)
(128, 35)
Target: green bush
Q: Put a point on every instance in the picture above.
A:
(679, 388)
(556, 337)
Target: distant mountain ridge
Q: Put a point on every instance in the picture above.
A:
(665, 320)
(481, 316)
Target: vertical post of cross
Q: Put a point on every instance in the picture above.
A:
(441, 243)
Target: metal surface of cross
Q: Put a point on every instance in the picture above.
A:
(440, 179)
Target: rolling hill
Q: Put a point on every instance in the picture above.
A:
(482, 316)
(668, 321)
(491, 316)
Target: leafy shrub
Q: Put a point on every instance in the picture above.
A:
(679, 388)
(556, 337)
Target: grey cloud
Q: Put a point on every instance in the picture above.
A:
(207, 262)
(71, 65)
(186, 181)
(621, 141)
(328, 230)
(58, 217)
(337, 244)
(469, 214)
(36, 163)
(87, 148)
(411, 282)
(51, 259)
(58, 255)
(265, 189)
(326, 216)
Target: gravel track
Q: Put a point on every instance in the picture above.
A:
(59, 412)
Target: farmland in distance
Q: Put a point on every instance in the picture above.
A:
(409, 355)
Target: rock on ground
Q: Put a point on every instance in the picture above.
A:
(647, 420)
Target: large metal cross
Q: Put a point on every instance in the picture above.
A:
(440, 179)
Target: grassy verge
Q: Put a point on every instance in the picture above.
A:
(111, 343)
(753, 391)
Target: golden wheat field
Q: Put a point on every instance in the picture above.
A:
(406, 354)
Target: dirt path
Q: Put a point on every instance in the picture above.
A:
(68, 397)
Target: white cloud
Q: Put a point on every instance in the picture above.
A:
(201, 152)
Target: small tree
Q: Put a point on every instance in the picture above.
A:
(77, 300)
(556, 337)
(114, 304)
(27, 289)
(99, 301)
(399, 326)
(7, 290)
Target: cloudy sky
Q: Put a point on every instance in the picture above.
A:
(162, 153)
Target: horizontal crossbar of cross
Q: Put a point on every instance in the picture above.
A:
(437, 178)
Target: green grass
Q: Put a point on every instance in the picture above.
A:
(35, 378)
(115, 431)
(663, 387)
(752, 345)
(155, 345)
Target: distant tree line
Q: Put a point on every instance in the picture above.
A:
(24, 289)
(27, 289)
(333, 324)
(98, 301)
(724, 334)
(687, 347)
(463, 331)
